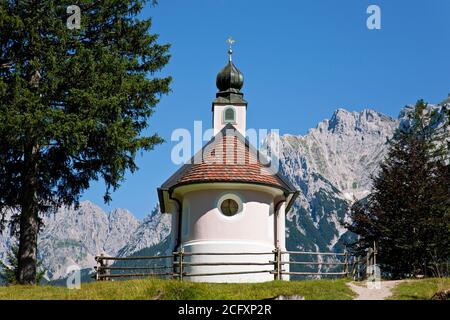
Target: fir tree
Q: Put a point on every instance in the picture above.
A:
(74, 104)
(408, 212)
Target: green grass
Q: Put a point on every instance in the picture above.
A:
(420, 289)
(176, 290)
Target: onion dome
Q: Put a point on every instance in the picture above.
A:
(230, 78)
(230, 81)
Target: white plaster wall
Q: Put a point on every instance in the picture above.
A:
(218, 123)
(202, 219)
(206, 229)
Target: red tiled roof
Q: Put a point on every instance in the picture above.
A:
(228, 157)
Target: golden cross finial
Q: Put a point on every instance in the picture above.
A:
(230, 41)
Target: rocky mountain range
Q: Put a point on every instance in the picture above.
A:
(331, 164)
(74, 236)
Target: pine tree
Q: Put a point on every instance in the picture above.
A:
(408, 212)
(74, 104)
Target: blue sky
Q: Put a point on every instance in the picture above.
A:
(301, 59)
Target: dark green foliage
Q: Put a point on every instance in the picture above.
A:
(74, 105)
(8, 269)
(408, 212)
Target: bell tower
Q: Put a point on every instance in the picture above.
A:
(229, 107)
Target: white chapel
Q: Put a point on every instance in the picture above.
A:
(226, 200)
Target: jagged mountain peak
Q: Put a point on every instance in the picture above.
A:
(120, 214)
(324, 151)
(89, 205)
(347, 122)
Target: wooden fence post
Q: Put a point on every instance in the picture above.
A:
(277, 264)
(280, 266)
(375, 252)
(96, 268)
(107, 271)
(346, 269)
(180, 263)
(358, 267)
(100, 270)
(174, 264)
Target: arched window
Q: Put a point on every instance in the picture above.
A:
(229, 115)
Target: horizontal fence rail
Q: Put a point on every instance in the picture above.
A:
(225, 263)
(225, 253)
(98, 258)
(224, 273)
(316, 253)
(178, 265)
(317, 273)
(314, 263)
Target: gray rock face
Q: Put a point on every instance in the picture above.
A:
(344, 151)
(152, 231)
(76, 236)
(331, 165)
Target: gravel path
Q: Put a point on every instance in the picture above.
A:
(368, 293)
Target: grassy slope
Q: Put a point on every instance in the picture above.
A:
(175, 290)
(419, 289)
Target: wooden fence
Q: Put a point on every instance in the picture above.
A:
(177, 265)
(364, 267)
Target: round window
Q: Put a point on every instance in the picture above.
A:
(229, 207)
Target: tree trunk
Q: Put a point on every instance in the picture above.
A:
(29, 221)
